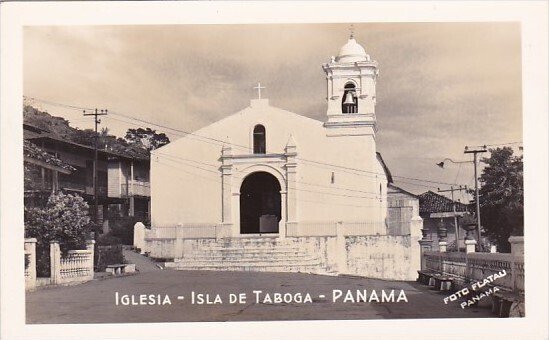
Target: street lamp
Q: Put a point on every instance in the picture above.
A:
(474, 152)
(452, 189)
(441, 164)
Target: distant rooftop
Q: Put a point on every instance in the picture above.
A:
(431, 202)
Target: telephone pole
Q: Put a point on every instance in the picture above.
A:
(475, 152)
(97, 121)
(452, 189)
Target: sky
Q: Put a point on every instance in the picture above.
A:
(441, 86)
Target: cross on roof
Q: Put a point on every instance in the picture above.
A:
(258, 88)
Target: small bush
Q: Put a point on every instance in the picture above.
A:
(64, 219)
(106, 255)
(122, 228)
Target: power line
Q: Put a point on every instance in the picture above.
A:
(216, 166)
(300, 199)
(298, 189)
(499, 144)
(222, 142)
(79, 108)
(317, 163)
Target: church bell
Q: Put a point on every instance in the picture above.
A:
(349, 98)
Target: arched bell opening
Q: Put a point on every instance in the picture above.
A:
(349, 102)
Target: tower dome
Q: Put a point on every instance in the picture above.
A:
(352, 52)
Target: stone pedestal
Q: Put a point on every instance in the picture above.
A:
(55, 262)
(416, 225)
(425, 245)
(90, 246)
(30, 254)
(517, 245)
(470, 246)
(139, 236)
(442, 246)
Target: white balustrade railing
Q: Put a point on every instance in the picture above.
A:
(197, 230)
(184, 231)
(77, 264)
(478, 266)
(330, 228)
(312, 229)
(300, 229)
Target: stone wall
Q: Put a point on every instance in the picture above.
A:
(381, 257)
(390, 257)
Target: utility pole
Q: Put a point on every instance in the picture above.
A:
(475, 152)
(452, 189)
(97, 121)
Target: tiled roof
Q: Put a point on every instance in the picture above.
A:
(128, 153)
(32, 151)
(431, 202)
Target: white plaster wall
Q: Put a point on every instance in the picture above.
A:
(186, 176)
(383, 256)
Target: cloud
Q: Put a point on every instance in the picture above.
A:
(441, 86)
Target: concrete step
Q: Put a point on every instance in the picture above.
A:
(247, 257)
(250, 254)
(247, 262)
(271, 268)
(251, 250)
(248, 247)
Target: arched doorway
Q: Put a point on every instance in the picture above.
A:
(260, 204)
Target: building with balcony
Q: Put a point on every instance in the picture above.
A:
(122, 180)
(42, 171)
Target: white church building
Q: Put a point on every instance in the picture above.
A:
(270, 190)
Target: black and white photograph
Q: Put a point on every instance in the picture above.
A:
(223, 172)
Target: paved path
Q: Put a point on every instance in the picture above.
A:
(94, 301)
(142, 263)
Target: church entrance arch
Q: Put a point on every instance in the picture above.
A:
(260, 204)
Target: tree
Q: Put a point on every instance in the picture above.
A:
(146, 138)
(501, 196)
(64, 219)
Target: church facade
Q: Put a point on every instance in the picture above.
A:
(268, 189)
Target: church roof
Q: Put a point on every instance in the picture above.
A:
(385, 168)
(352, 52)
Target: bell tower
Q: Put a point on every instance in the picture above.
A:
(351, 92)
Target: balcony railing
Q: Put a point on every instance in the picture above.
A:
(136, 189)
